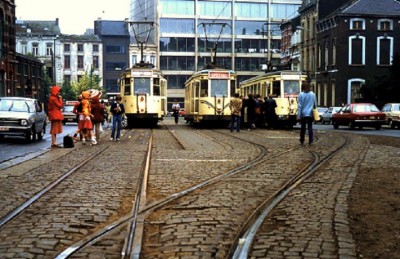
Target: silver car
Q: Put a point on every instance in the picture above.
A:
(326, 117)
(21, 116)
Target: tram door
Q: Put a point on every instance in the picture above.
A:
(195, 97)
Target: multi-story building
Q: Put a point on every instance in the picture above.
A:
(245, 35)
(354, 43)
(39, 39)
(115, 38)
(8, 66)
(79, 55)
(66, 57)
(28, 81)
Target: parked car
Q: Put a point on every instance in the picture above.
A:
(321, 110)
(21, 116)
(359, 115)
(392, 112)
(326, 117)
(69, 116)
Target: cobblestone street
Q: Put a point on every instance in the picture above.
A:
(206, 184)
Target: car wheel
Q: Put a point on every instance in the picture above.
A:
(335, 125)
(40, 134)
(30, 136)
(391, 124)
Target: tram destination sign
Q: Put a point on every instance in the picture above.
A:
(218, 74)
(141, 73)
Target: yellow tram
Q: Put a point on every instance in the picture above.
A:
(144, 95)
(207, 95)
(284, 86)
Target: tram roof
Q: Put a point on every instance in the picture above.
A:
(273, 73)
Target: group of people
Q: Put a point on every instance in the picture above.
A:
(91, 113)
(263, 111)
(259, 111)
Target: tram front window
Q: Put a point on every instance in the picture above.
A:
(292, 88)
(219, 87)
(141, 85)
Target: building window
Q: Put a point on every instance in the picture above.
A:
(115, 49)
(134, 59)
(67, 61)
(95, 62)
(95, 48)
(326, 55)
(67, 79)
(67, 47)
(153, 59)
(384, 50)
(79, 77)
(357, 24)
(115, 66)
(80, 62)
(333, 52)
(356, 50)
(49, 50)
(35, 49)
(385, 25)
(80, 47)
(24, 48)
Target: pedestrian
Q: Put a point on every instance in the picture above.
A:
(270, 113)
(56, 117)
(109, 116)
(87, 125)
(306, 102)
(236, 106)
(98, 115)
(259, 111)
(78, 111)
(251, 112)
(117, 111)
(175, 109)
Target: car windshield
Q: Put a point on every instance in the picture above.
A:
(16, 105)
(68, 108)
(365, 108)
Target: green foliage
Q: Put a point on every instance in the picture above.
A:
(68, 93)
(45, 87)
(87, 81)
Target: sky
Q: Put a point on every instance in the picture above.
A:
(75, 16)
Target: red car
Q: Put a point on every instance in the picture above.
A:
(359, 115)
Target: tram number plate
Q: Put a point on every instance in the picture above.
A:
(372, 117)
(3, 129)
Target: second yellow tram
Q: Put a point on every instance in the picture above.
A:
(207, 95)
(284, 86)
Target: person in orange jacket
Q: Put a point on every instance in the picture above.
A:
(56, 117)
(87, 126)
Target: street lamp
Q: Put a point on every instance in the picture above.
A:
(54, 60)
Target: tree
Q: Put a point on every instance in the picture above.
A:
(68, 92)
(87, 81)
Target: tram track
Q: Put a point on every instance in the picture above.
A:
(90, 240)
(233, 179)
(243, 241)
(39, 202)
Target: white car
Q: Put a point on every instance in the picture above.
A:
(21, 116)
(326, 117)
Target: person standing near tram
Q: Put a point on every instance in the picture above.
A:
(175, 109)
(306, 102)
